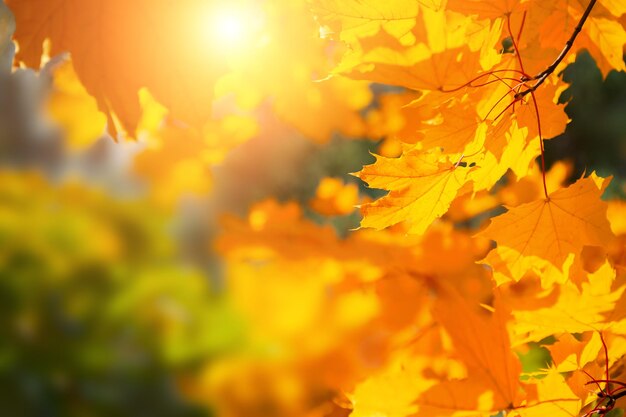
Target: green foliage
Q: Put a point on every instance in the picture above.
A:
(96, 317)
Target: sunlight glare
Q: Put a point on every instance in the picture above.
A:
(229, 29)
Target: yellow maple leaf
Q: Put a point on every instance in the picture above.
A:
(574, 310)
(503, 151)
(609, 37)
(393, 392)
(554, 398)
(422, 186)
(552, 228)
(354, 19)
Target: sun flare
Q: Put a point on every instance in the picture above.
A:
(229, 26)
(229, 29)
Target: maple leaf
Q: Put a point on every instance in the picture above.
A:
(448, 50)
(481, 343)
(118, 47)
(552, 228)
(392, 393)
(459, 131)
(510, 150)
(354, 19)
(609, 37)
(573, 310)
(602, 35)
(422, 186)
(549, 114)
(553, 398)
(569, 354)
(414, 68)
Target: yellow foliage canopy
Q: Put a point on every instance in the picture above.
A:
(403, 320)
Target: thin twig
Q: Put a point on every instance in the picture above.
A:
(541, 77)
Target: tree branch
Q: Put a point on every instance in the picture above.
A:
(541, 77)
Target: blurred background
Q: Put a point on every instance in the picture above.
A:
(153, 276)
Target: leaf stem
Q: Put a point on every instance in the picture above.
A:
(478, 77)
(517, 55)
(543, 152)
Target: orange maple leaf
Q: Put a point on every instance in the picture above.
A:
(551, 228)
(119, 46)
(482, 343)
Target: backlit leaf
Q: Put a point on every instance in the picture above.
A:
(552, 228)
(421, 187)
